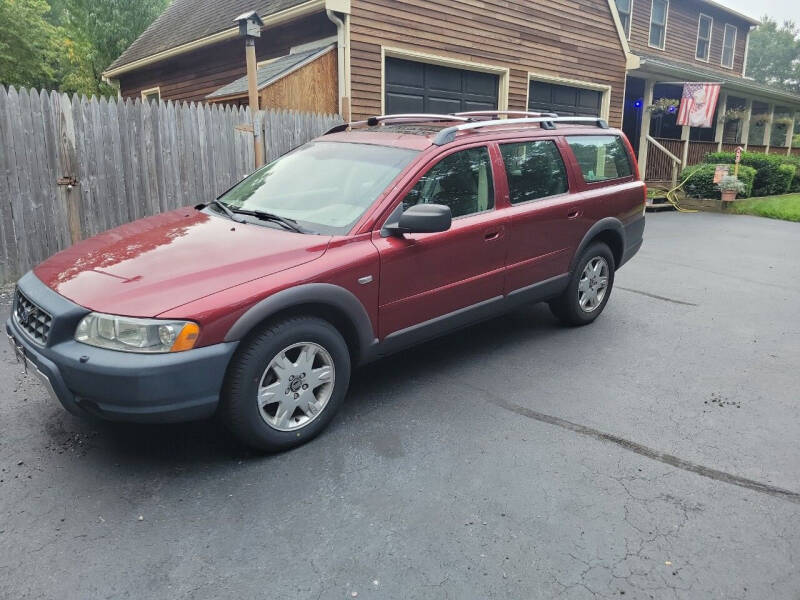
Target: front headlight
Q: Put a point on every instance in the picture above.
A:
(146, 336)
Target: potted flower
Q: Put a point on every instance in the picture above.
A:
(730, 186)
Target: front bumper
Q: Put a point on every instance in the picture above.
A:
(120, 386)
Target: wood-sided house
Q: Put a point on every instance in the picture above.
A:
(365, 57)
(676, 41)
(609, 58)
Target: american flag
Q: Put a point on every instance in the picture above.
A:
(698, 104)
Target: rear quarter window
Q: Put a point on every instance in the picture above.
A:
(601, 157)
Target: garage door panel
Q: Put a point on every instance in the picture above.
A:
(406, 103)
(565, 100)
(419, 87)
(402, 73)
(443, 105)
(441, 79)
(482, 84)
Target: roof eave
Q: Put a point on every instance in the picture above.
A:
(746, 86)
(272, 20)
(283, 74)
(730, 11)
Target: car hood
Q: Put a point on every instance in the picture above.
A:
(152, 265)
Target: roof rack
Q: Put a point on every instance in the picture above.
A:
(445, 136)
(510, 113)
(401, 118)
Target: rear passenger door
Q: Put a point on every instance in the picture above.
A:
(544, 225)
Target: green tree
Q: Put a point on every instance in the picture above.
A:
(774, 54)
(28, 44)
(97, 32)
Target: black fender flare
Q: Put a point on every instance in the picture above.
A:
(329, 295)
(611, 224)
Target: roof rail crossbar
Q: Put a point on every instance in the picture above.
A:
(446, 136)
(510, 113)
(400, 118)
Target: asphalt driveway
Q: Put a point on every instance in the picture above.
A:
(653, 454)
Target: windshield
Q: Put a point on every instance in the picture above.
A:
(324, 186)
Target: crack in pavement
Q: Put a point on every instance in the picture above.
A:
(648, 452)
(656, 296)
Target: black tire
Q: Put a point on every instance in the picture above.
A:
(566, 307)
(239, 407)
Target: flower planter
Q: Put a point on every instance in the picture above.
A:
(728, 195)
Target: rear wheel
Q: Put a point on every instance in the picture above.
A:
(589, 287)
(286, 383)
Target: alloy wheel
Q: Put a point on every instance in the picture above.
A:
(296, 386)
(593, 284)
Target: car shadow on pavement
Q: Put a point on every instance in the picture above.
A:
(207, 442)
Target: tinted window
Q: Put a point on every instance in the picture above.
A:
(462, 181)
(534, 169)
(326, 186)
(601, 157)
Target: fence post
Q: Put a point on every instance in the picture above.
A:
(69, 197)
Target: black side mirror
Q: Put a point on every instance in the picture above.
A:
(422, 218)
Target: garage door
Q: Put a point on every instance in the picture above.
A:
(415, 87)
(564, 100)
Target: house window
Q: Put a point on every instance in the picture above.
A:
(625, 8)
(658, 23)
(704, 27)
(729, 46)
(152, 95)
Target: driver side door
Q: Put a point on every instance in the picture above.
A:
(437, 281)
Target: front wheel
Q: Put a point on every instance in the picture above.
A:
(589, 287)
(285, 384)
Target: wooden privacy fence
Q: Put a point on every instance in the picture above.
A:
(71, 167)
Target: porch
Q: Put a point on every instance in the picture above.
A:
(748, 115)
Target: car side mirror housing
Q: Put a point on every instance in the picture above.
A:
(422, 218)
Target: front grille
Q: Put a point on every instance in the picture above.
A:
(32, 319)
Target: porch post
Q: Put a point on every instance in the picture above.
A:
(649, 84)
(685, 131)
(768, 128)
(722, 107)
(748, 107)
(790, 135)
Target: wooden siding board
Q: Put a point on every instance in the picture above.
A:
(572, 40)
(681, 39)
(193, 76)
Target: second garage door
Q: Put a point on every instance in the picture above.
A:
(415, 87)
(565, 100)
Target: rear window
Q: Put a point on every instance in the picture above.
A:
(601, 157)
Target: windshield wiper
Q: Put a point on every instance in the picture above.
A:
(226, 210)
(261, 215)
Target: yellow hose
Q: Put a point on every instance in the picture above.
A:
(672, 196)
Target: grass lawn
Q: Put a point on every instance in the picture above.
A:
(785, 207)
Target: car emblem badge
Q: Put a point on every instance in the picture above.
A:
(25, 315)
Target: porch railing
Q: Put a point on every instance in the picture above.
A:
(698, 150)
(663, 162)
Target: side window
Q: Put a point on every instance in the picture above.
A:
(462, 181)
(601, 157)
(535, 170)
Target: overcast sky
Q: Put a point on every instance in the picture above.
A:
(780, 10)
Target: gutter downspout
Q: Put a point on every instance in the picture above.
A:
(343, 50)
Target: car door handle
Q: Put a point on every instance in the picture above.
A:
(491, 235)
(574, 214)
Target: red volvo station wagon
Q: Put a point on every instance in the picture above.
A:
(374, 237)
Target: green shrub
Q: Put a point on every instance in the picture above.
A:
(770, 179)
(786, 173)
(700, 180)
